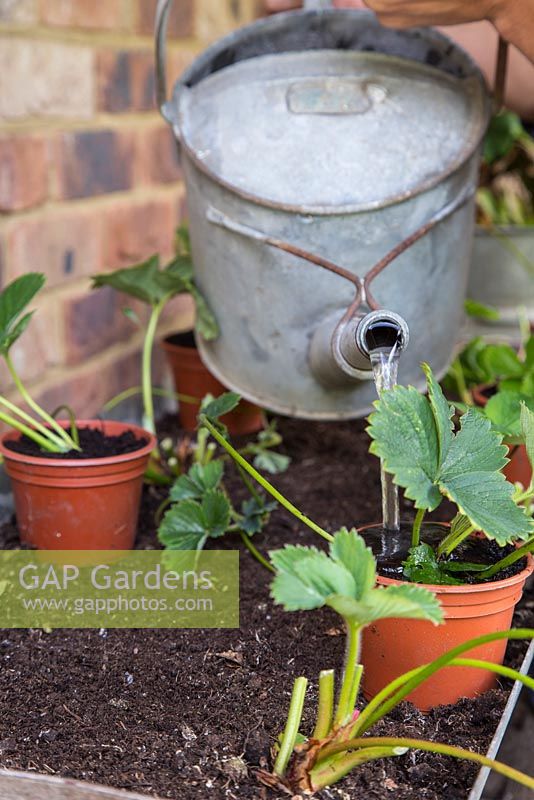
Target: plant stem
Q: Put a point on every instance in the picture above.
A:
(255, 552)
(461, 386)
(36, 407)
(329, 772)
(453, 540)
(262, 481)
(72, 417)
(46, 432)
(498, 669)
(250, 486)
(416, 530)
(325, 710)
(44, 444)
(146, 368)
(430, 747)
(344, 710)
(156, 392)
(390, 696)
(507, 561)
(291, 730)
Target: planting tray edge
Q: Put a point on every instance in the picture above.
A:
(483, 775)
(37, 786)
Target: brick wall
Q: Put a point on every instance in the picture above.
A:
(89, 178)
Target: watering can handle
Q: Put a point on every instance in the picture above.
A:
(160, 27)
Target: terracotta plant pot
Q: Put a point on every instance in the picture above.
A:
(394, 646)
(193, 379)
(78, 504)
(518, 469)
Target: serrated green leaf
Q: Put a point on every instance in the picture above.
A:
(504, 412)
(403, 601)
(13, 301)
(188, 524)
(405, 437)
(307, 578)
(504, 130)
(500, 361)
(422, 566)
(350, 550)
(199, 479)
(255, 514)
(443, 414)
(221, 405)
(183, 527)
(269, 461)
(142, 281)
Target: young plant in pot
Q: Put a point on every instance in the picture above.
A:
(475, 565)
(345, 737)
(498, 379)
(191, 377)
(76, 484)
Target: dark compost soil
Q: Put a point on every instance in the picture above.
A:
(190, 714)
(93, 442)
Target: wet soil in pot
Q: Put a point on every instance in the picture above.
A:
(190, 714)
(94, 444)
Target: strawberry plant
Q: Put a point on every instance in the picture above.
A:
(342, 739)
(156, 286)
(200, 508)
(38, 425)
(415, 438)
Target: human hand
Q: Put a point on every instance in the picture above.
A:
(287, 5)
(418, 13)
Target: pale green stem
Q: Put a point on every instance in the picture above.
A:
(498, 669)
(46, 432)
(453, 540)
(36, 407)
(73, 428)
(43, 443)
(289, 737)
(344, 710)
(325, 710)
(238, 458)
(507, 561)
(416, 530)
(255, 552)
(430, 747)
(156, 392)
(331, 771)
(146, 368)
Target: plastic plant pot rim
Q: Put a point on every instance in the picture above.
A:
(464, 588)
(109, 427)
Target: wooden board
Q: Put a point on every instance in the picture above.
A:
(34, 786)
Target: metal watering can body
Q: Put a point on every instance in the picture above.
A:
(330, 177)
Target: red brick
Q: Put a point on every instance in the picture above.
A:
(85, 392)
(157, 156)
(18, 12)
(92, 14)
(94, 162)
(23, 172)
(63, 244)
(135, 231)
(41, 344)
(125, 81)
(181, 18)
(93, 322)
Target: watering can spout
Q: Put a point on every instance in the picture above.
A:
(340, 351)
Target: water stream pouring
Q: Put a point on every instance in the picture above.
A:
(331, 166)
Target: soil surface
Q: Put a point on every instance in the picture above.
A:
(191, 714)
(93, 442)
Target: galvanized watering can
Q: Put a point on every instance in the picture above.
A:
(331, 166)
